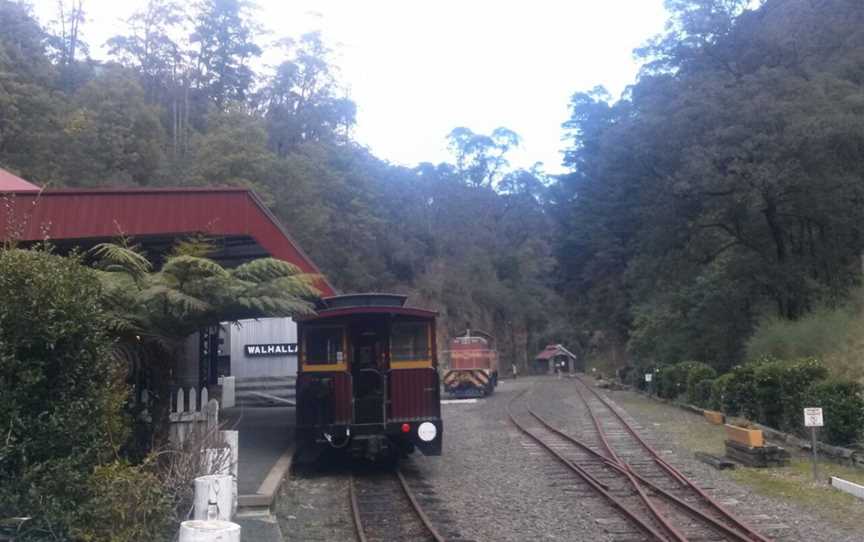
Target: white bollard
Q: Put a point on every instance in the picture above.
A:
(214, 497)
(228, 392)
(209, 531)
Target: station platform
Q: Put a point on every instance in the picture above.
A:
(266, 437)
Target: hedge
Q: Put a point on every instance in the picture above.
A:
(703, 392)
(672, 379)
(721, 399)
(842, 403)
(697, 373)
(769, 391)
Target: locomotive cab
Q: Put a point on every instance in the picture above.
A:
(368, 379)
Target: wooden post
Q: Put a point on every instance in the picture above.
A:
(209, 531)
(815, 446)
(214, 497)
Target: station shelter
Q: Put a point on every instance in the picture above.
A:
(261, 354)
(555, 355)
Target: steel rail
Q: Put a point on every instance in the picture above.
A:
(600, 488)
(415, 506)
(687, 507)
(419, 509)
(355, 512)
(628, 473)
(751, 533)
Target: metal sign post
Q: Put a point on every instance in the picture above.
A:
(813, 419)
(648, 379)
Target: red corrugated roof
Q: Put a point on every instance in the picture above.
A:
(75, 214)
(13, 183)
(553, 350)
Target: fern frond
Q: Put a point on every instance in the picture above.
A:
(120, 257)
(198, 245)
(189, 267)
(178, 302)
(264, 269)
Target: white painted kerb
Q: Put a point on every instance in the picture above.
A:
(848, 487)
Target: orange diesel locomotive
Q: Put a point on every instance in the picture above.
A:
(368, 377)
(473, 365)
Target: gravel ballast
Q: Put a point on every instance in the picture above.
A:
(493, 484)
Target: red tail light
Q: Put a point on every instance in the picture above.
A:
(406, 428)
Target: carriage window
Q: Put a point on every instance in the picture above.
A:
(324, 346)
(409, 341)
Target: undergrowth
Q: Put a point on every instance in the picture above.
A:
(835, 335)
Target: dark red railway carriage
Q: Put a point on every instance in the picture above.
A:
(368, 377)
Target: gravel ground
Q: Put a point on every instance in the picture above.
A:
(492, 484)
(779, 519)
(313, 507)
(497, 486)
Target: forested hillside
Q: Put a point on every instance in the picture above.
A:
(724, 186)
(179, 103)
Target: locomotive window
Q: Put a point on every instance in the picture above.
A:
(323, 346)
(409, 341)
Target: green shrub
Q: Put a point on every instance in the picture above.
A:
(720, 397)
(796, 378)
(842, 403)
(62, 399)
(702, 393)
(672, 379)
(778, 390)
(767, 393)
(126, 504)
(696, 374)
(740, 398)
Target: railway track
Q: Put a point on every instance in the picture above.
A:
(641, 496)
(385, 508)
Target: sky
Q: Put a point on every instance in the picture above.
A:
(418, 69)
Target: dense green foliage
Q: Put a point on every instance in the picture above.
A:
(696, 374)
(721, 399)
(62, 401)
(127, 503)
(726, 183)
(843, 407)
(833, 335)
(672, 380)
(721, 190)
(772, 392)
(472, 239)
(702, 393)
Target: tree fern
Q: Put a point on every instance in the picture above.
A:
(121, 258)
(191, 291)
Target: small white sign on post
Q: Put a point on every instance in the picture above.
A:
(813, 417)
(649, 377)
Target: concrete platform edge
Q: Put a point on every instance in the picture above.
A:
(266, 493)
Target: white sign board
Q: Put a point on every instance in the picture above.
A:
(648, 377)
(813, 417)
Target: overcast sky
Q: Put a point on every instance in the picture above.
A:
(418, 69)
